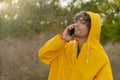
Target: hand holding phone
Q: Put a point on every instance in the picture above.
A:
(71, 32)
(68, 33)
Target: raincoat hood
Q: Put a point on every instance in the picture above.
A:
(94, 35)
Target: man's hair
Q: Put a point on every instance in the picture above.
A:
(83, 17)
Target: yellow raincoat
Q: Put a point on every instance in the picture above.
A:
(91, 64)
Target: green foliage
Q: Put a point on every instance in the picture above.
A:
(28, 17)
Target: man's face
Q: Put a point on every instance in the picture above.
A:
(81, 29)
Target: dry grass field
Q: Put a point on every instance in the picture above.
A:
(19, 59)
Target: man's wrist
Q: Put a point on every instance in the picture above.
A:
(64, 39)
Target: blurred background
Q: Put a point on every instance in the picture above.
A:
(25, 25)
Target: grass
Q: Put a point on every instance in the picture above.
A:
(112, 50)
(19, 59)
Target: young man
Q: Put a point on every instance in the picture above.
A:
(77, 53)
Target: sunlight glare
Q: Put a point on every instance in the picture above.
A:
(15, 16)
(3, 6)
(14, 1)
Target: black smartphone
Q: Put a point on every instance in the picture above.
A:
(71, 32)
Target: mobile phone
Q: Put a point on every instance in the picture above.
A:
(71, 32)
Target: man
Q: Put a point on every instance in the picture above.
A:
(77, 53)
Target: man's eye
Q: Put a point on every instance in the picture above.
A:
(83, 22)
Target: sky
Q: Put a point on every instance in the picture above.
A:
(65, 2)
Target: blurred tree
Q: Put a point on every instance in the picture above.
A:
(26, 17)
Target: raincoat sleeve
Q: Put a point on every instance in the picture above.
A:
(105, 72)
(51, 48)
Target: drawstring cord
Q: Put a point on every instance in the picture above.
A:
(87, 55)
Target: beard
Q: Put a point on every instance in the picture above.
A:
(80, 35)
